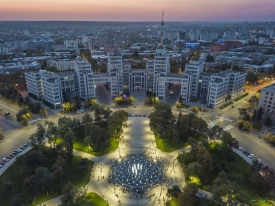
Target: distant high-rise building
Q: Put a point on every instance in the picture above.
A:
(181, 35)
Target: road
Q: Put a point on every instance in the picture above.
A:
(175, 95)
(18, 135)
(249, 141)
(103, 96)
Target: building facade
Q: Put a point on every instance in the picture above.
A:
(121, 79)
(267, 99)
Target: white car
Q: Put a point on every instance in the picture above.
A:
(251, 155)
(6, 159)
(79, 112)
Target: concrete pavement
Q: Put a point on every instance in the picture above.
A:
(136, 139)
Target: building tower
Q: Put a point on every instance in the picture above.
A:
(162, 24)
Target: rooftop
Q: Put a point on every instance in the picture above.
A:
(269, 88)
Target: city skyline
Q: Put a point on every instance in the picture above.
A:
(150, 10)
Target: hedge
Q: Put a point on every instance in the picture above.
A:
(226, 105)
(242, 96)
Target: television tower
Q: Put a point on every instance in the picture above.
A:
(162, 24)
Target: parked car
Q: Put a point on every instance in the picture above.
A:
(2, 163)
(250, 155)
(5, 159)
(240, 148)
(1, 166)
(79, 112)
(14, 153)
(19, 150)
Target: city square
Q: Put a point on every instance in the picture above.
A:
(122, 103)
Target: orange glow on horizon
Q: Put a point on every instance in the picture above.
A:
(149, 10)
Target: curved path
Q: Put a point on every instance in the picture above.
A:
(137, 138)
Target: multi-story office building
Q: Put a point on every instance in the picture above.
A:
(122, 79)
(267, 99)
(34, 83)
(81, 67)
(52, 89)
(64, 65)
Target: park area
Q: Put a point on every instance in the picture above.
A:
(40, 174)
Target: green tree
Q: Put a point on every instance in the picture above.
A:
(44, 112)
(242, 112)
(213, 133)
(247, 126)
(194, 169)
(44, 177)
(258, 125)
(52, 133)
(227, 140)
(256, 165)
(30, 186)
(268, 121)
(226, 191)
(1, 133)
(67, 106)
(86, 118)
(160, 120)
(67, 194)
(259, 114)
(116, 122)
(253, 102)
(195, 110)
(204, 158)
(69, 139)
(254, 115)
(95, 136)
(173, 191)
(188, 196)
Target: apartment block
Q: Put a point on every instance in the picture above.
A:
(267, 99)
(215, 88)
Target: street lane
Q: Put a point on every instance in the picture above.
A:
(102, 94)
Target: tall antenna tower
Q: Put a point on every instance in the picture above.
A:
(162, 24)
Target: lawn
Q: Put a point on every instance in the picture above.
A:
(96, 200)
(18, 172)
(80, 145)
(174, 202)
(83, 147)
(169, 147)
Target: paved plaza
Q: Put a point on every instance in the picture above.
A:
(137, 139)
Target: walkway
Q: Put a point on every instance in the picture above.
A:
(137, 138)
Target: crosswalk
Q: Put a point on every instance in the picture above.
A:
(228, 127)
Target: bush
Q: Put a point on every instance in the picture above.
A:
(49, 104)
(33, 96)
(226, 105)
(242, 96)
(258, 125)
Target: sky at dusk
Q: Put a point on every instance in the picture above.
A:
(138, 10)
